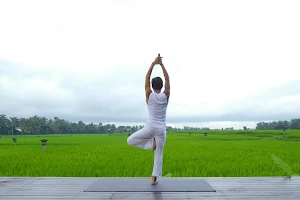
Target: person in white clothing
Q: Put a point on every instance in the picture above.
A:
(153, 135)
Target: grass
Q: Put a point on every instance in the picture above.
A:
(222, 154)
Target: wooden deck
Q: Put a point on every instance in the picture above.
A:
(72, 188)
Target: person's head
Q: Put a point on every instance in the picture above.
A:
(157, 83)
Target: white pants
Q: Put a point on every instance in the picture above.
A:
(144, 139)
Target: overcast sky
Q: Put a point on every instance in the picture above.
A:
(231, 63)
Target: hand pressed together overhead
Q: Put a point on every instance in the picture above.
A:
(158, 60)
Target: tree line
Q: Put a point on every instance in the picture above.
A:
(279, 125)
(41, 125)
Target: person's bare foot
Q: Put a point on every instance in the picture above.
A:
(154, 180)
(154, 145)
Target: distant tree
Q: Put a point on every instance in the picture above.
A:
(101, 128)
(113, 128)
(169, 128)
(295, 124)
(81, 127)
(4, 124)
(121, 129)
(91, 128)
(15, 122)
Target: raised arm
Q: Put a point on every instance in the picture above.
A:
(147, 82)
(167, 81)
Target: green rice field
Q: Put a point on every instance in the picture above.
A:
(221, 154)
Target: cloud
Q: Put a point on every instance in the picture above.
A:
(228, 61)
(78, 96)
(118, 96)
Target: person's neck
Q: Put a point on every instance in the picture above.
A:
(157, 91)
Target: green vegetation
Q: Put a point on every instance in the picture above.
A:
(41, 125)
(221, 154)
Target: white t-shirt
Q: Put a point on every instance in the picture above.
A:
(157, 108)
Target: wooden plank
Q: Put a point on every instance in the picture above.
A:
(227, 188)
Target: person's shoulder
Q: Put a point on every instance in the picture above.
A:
(159, 96)
(163, 96)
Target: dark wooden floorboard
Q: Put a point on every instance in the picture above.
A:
(226, 188)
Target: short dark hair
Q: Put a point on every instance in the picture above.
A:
(157, 83)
